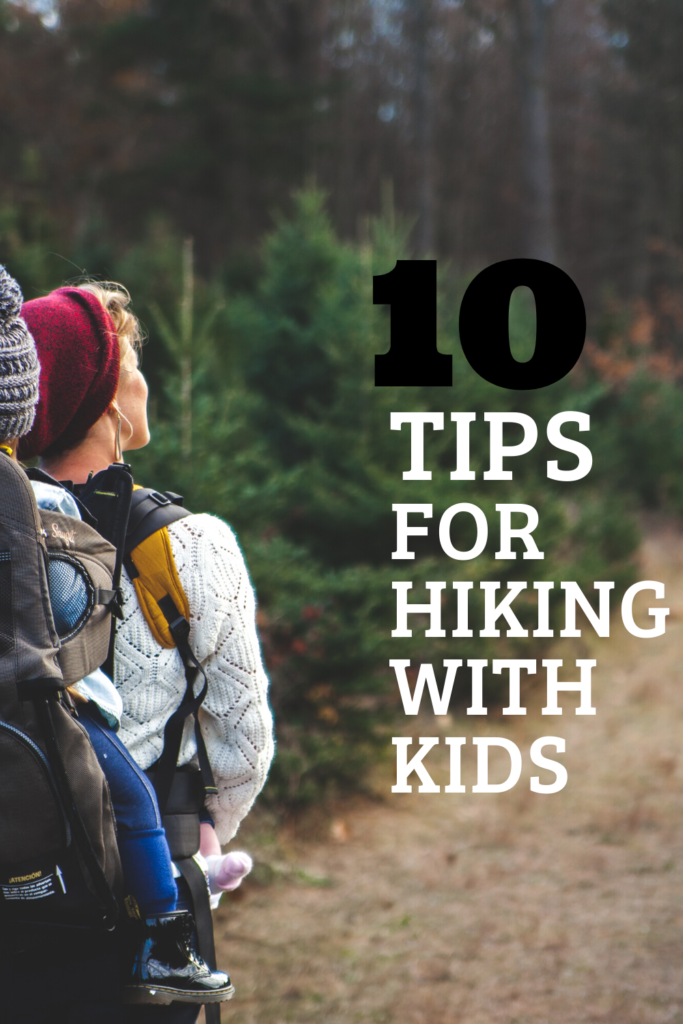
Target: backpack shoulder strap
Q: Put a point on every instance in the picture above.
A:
(150, 564)
(149, 558)
(107, 495)
(151, 511)
(152, 568)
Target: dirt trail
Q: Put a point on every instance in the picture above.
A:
(511, 908)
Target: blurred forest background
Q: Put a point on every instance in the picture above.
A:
(244, 168)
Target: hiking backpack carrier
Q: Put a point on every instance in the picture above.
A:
(59, 862)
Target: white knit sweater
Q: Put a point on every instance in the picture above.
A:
(235, 716)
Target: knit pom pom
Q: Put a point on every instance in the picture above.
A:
(10, 299)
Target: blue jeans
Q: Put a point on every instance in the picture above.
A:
(145, 856)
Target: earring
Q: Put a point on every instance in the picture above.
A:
(118, 454)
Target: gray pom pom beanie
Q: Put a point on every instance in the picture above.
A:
(19, 367)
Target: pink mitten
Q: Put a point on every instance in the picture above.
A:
(226, 871)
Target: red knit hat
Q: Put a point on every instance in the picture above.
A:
(78, 349)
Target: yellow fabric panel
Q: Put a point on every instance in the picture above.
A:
(154, 560)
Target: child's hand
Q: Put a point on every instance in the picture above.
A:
(227, 871)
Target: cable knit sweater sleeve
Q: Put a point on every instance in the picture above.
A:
(236, 719)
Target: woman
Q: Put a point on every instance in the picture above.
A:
(92, 408)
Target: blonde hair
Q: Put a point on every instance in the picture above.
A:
(116, 299)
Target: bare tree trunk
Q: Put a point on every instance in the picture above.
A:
(186, 319)
(424, 125)
(531, 59)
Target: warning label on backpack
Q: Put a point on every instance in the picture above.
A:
(28, 888)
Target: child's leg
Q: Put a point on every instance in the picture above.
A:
(145, 856)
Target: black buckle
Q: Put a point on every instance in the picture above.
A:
(117, 604)
(160, 499)
(179, 628)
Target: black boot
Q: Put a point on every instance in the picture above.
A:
(167, 968)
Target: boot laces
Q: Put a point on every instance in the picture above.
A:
(188, 948)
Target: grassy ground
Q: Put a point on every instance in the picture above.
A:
(514, 908)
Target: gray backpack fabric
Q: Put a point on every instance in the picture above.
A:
(59, 862)
(80, 569)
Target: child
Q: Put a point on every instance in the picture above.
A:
(167, 967)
